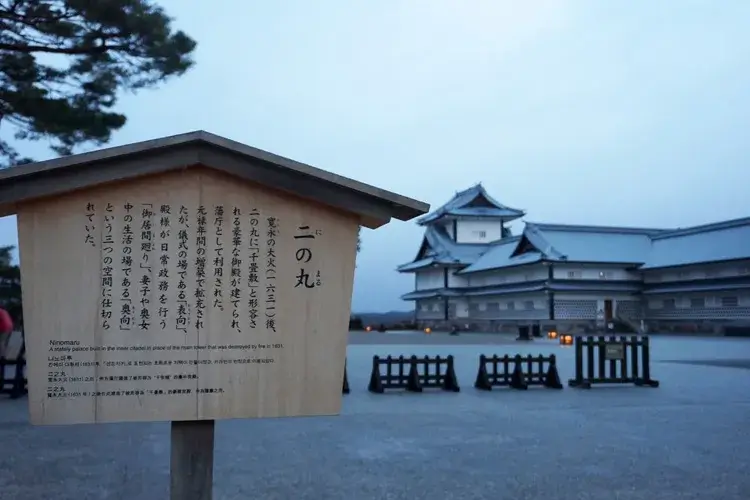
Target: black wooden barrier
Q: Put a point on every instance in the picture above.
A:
(345, 389)
(413, 374)
(608, 359)
(16, 386)
(496, 371)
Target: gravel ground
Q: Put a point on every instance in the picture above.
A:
(686, 440)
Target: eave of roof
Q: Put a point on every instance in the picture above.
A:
(416, 265)
(431, 293)
(595, 286)
(526, 287)
(55, 177)
(683, 288)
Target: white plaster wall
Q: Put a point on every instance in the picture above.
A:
(457, 281)
(727, 270)
(683, 300)
(429, 278)
(470, 231)
(462, 308)
(511, 275)
(522, 306)
(510, 302)
(577, 272)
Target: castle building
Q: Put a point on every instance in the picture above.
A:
(471, 272)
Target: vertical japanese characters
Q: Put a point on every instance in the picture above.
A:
(168, 265)
(271, 235)
(127, 307)
(165, 213)
(218, 301)
(303, 255)
(90, 225)
(253, 268)
(108, 241)
(235, 278)
(182, 318)
(200, 267)
(147, 247)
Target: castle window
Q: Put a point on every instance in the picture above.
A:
(730, 302)
(669, 304)
(528, 305)
(574, 274)
(480, 234)
(511, 306)
(698, 303)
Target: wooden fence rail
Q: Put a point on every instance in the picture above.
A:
(496, 371)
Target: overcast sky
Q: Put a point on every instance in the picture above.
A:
(589, 112)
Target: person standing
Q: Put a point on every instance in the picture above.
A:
(6, 328)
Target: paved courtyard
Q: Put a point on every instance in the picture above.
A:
(688, 439)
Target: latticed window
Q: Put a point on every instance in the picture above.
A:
(730, 302)
(698, 302)
(669, 304)
(528, 305)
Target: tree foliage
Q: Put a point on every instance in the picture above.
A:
(64, 62)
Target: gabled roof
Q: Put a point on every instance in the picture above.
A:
(559, 242)
(500, 255)
(372, 205)
(594, 243)
(438, 248)
(721, 241)
(472, 202)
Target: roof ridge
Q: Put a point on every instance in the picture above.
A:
(704, 228)
(595, 228)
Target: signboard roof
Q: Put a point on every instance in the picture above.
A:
(374, 206)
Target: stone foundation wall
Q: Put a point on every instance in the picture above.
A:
(584, 326)
(508, 326)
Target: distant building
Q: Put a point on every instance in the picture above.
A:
(471, 271)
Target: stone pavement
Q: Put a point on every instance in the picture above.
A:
(688, 439)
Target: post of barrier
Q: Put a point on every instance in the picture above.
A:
(345, 388)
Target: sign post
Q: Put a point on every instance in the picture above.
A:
(191, 468)
(188, 279)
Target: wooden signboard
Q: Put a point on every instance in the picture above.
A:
(615, 350)
(156, 292)
(184, 296)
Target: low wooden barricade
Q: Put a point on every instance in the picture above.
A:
(345, 389)
(14, 356)
(607, 361)
(413, 374)
(496, 371)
